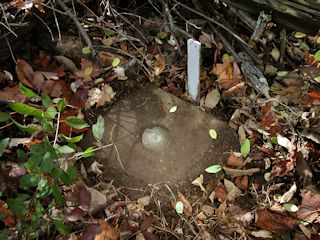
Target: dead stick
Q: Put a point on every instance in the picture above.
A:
(78, 24)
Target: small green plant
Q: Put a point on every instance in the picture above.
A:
(38, 199)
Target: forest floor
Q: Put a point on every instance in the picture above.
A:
(63, 73)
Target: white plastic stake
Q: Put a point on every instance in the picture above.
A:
(193, 85)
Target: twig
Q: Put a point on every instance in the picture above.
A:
(7, 26)
(171, 25)
(44, 23)
(213, 21)
(10, 49)
(56, 21)
(57, 130)
(78, 24)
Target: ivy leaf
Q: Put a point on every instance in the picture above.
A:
(179, 207)
(245, 147)
(98, 128)
(3, 144)
(213, 169)
(213, 134)
(75, 122)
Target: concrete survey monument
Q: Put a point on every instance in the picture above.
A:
(161, 139)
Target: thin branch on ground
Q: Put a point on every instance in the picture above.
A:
(83, 33)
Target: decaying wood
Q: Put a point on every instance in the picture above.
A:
(300, 15)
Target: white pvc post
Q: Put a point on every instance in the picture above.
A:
(193, 85)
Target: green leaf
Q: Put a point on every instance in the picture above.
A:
(4, 116)
(43, 189)
(65, 149)
(60, 227)
(32, 128)
(245, 147)
(275, 53)
(75, 122)
(4, 234)
(88, 71)
(33, 235)
(179, 207)
(86, 50)
(213, 169)
(28, 110)
(318, 40)
(213, 134)
(86, 153)
(57, 195)
(52, 111)
(18, 205)
(46, 163)
(72, 173)
(282, 73)
(290, 207)
(317, 55)
(65, 178)
(61, 105)
(71, 140)
(3, 144)
(46, 100)
(29, 180)
(56, 173)
(27, 91)
(98, 128)
(115, 62)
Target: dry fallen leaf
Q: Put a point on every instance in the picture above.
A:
(274, 222)
(233, 190)
(212, 99)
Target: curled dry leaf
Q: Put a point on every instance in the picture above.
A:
(144, 201)
(240, 172)
(12, 94)
(220, 192)
(242, 182)
(310, 206)
(274, 222)
(100, 231)
(95, 167)
(75, 214)
(233, 190)
(40, 81)
(97, 200)
(160, 65)
(84, 198)
(235, 160)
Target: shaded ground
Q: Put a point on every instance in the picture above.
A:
(265, 88)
